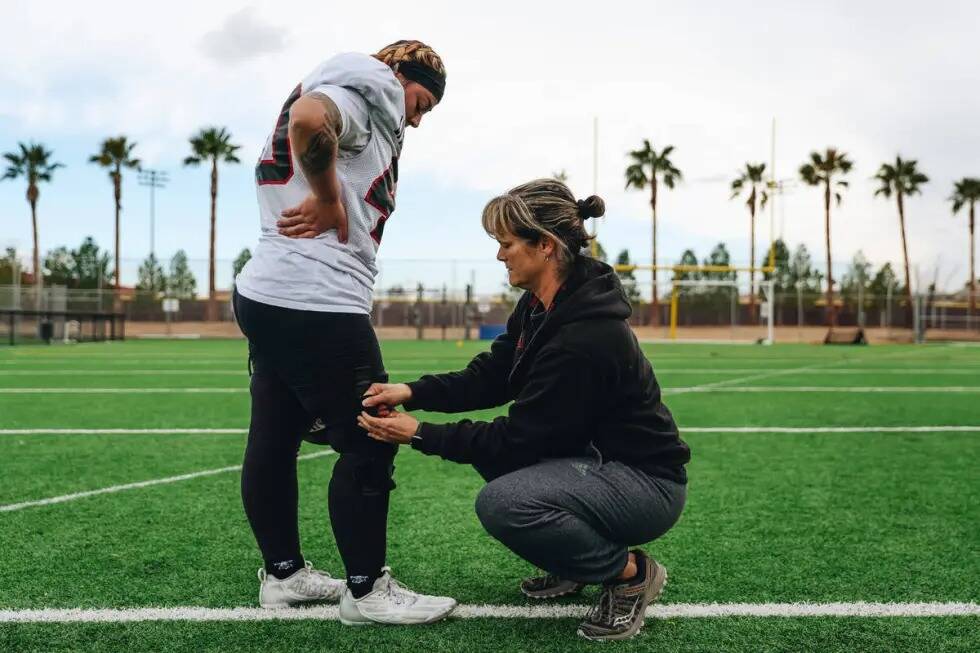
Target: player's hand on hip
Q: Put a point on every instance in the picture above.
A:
(386, 395)
(397, 428)
(312, 217)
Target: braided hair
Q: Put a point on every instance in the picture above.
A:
(414, 51)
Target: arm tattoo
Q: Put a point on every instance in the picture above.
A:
(322, 147)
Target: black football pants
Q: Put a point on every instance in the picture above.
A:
(312, 367)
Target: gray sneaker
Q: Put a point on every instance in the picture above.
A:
(620, 610)
(549, 586)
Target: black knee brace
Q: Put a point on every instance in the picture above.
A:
(369, 475)
(322, 432)
(364, 376)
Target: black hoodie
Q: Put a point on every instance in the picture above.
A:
(579, 379)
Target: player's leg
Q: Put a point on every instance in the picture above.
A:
(362, 479)
(269, 484)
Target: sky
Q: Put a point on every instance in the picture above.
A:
(527, 82)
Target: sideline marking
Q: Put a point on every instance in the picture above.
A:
(850, 389)
(120, 391)
(134, 486)
(831, 429)
(119, 431)
(909, 371)
(667, 611)
(719, 386)
(689, 429)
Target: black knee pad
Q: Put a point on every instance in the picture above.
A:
(370, 475)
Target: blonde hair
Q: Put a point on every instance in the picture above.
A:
(544, 208)
(415, 51)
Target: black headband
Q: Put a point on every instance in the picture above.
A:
(431, 79)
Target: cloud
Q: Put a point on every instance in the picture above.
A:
(707, 79)
(243, 36)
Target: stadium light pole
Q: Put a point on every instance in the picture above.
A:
(772, 197)
(595, 182)
(154, 179)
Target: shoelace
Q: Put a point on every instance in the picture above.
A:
(549, 580)
(312, 581)
(609, 605)
(398, 593)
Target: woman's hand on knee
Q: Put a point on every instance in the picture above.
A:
(386, 395)
(395, 427)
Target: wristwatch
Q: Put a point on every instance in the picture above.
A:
(417, 438)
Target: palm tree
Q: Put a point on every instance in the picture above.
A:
(967, 192)
(33, 164)
(116, 154)
(901, 179)
(648, 168)
(752, 179)
(823, 170)
(212, 144)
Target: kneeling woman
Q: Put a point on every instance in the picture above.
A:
(588, 462)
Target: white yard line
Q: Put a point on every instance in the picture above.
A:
(121, 391)
(135, 486)
(827, 371)
(708, 387)
(691, 429)
(849, 389)
(659, 370)
(241, 371)
(115, 360)
(121, 431)
(831, 429)
(666, 611)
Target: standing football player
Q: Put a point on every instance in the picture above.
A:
(326, 185)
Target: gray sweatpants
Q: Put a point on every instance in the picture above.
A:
(577, 517)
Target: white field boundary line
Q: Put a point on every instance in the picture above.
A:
(660, 370)
(690, 429)
(719, 386)
(941, 389)
(122, 391)
(831, 429)
(707, 387)
(135, 486)
(123, 431)
(188, 372)
(767, 373)
(667, 611)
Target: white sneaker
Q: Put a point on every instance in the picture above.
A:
(303, 586)
(389, 602)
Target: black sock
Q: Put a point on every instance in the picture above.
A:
(361, 585)
(641, 570)
(284, 568)
(358, 498)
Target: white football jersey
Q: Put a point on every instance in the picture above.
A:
(323, 274)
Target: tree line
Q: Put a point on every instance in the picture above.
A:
(35, 164)
(648, 169)
(88, 267)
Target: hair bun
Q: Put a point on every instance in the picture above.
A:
(591, 207)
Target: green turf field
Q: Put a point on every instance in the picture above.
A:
(880, 504)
